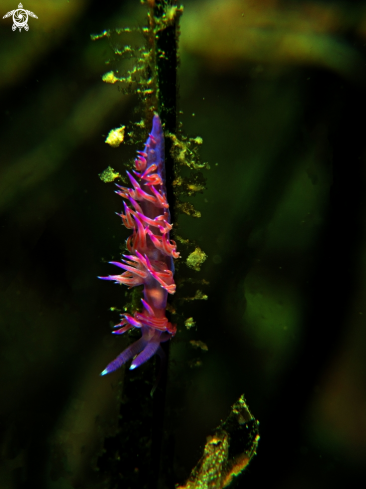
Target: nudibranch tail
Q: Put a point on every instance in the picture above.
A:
(150, 262)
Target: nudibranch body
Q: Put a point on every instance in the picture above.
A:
(150, 262)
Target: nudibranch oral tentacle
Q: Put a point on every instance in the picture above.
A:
(152, 252)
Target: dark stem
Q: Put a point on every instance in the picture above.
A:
(166, 66)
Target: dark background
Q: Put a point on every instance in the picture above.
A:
(277, 92)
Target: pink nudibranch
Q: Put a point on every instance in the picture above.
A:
(150, 262)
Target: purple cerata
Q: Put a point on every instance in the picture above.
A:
(150, 262)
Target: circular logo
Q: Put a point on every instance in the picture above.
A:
(20, 19)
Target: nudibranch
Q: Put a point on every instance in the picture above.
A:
(150, 262)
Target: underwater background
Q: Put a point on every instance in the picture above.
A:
(276, 89)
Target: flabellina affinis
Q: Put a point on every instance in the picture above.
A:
(151, 252)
